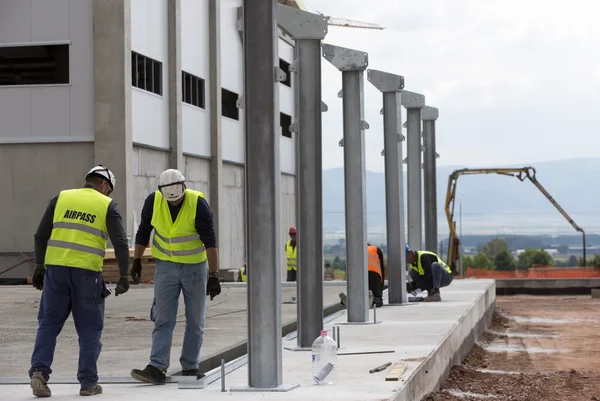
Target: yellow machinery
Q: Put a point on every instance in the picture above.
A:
(520, 173)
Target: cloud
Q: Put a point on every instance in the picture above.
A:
(516, 81)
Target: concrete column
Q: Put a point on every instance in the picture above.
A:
(174, 78)
(352, 63)
(391, 85)
(214, 111)
(429, 115)
(112, 97)
(308, 29)
(413, 102)
(263, 247)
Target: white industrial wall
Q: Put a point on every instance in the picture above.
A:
(50, 113)
(149, 111)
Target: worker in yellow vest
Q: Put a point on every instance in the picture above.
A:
(243, 273)
(185, 248)
(69, 253)
(290, 254)
(375, 272)
(428, 272)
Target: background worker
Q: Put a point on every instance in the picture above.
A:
(375, 271)
(427, 272)
(71, 241)
(290, 253)
(185, 248)
(243, 273)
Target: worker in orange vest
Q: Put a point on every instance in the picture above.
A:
(375, 269)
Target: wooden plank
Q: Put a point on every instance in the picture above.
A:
(396, 372)
(110, 253)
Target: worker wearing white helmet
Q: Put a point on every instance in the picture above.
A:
(185, 248)
(69, 253)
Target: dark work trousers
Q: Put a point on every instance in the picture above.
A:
(435, 277)
(291, 275)
(66, 290)
(376, 286)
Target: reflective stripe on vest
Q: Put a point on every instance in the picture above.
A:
(79, 232)
(290, 254)
(419, 267)
(177, 241)
(373, 260)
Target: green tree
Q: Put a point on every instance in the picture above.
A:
(482, 261)
(534, 257)
(572, 261)
(468, 262)
(504, 260)
(494, 247)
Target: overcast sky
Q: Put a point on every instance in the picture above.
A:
(516, 81)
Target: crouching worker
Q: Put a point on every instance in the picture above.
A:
(428, 272)
(375, 273)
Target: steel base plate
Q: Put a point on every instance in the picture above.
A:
(281, 389)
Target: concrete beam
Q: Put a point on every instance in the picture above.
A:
(174, 78)
(214, 111)
(112, 96)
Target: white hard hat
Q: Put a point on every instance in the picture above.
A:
(171, 184)
(103, 172)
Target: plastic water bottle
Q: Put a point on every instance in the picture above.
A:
(324, 359)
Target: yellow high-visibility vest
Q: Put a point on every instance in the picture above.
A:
(373, 260)
(79, 232)
(177, 241)
(243, 274)
(419, 268)
(290, 253)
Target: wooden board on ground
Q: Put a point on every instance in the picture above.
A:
(110, 269)
(396, 372)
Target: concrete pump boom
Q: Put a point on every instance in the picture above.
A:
(521, 174)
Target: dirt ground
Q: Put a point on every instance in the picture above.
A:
(537, 348)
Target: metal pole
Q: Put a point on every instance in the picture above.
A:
(413, 102)
(391, 85)
(308, 29)
(352, 63)
(261, 93)
(429, 115)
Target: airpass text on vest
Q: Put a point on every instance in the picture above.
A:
(74, 214)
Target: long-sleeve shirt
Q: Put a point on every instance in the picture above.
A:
(380, 254)
(425, 281)
(114, 226)
(204, 222)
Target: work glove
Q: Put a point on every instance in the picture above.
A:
(213, 287)
(38, 277)
(411, 287)
(122, 286)
(136, 270)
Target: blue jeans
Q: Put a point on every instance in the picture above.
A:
(66, 290)
(170, 279)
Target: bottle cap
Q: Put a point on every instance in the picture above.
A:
(324, 333)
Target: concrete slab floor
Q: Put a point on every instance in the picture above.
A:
(127, 335)
(421, 335)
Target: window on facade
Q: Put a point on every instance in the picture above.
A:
(146, 73)
(284, 65)
(228, 104)
(285, 122)
(34, 65)
(192, 90)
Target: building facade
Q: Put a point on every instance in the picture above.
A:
(139, 86)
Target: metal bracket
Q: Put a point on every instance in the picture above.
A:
(345, 59)
(405, 160)
(401, 137)
(405, 124)
(437, 156)
(364, 124)
(384, 81)
(293, 66)
(381, 111)
(429, 113)
(324, 107)
(301, 24)
(240, 102)
(383, 152)
(412, 100)
(294, 127)
(280, 75)
(341, 93)
(341, 143)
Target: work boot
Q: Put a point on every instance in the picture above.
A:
(192, 372)
(150, 374)
(39, 385)
(95, 390)
(344, 299)
(371, 299)
(433, 296)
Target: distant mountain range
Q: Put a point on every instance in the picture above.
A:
(491, 204)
